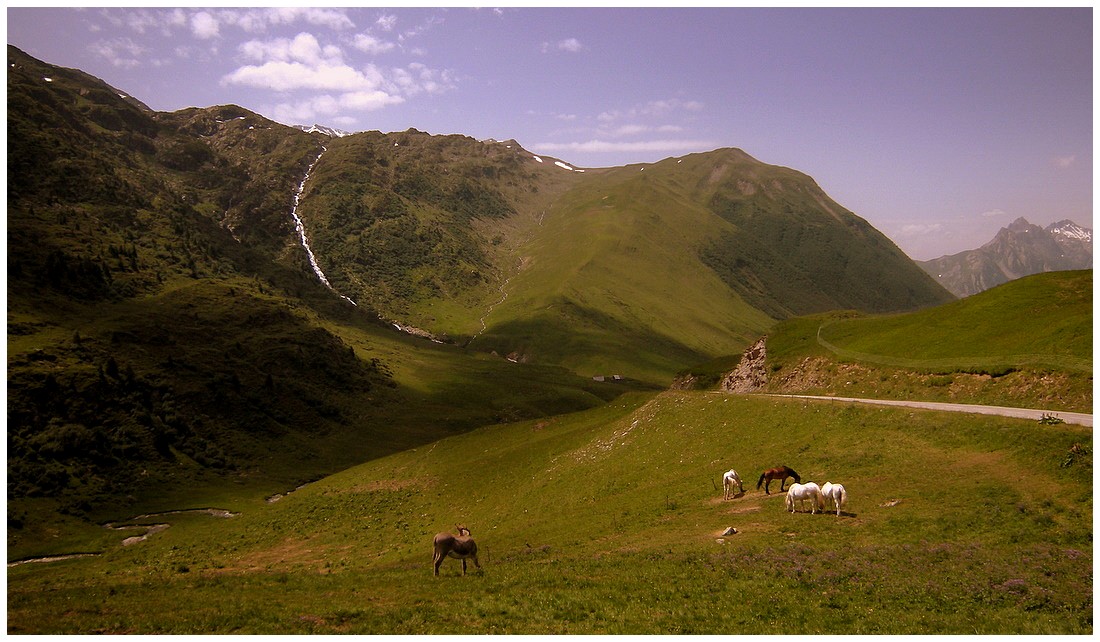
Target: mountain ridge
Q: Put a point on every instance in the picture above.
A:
(1018, 250)
(166, 324)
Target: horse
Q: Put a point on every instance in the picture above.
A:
(834, 494)
(801, 492)
(729, 480)
(459, 546)
(781, 473)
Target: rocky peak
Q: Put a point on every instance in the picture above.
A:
(750, 374)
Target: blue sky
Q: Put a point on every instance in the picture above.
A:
(938, 126)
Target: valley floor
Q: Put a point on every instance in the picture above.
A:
(612, 521)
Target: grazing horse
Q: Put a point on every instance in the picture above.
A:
(834, 494)
(801, 492)
(459, 546)
(729, 480)
(781, 473)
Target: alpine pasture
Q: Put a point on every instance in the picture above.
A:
(611, 520)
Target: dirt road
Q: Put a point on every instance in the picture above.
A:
(1078, 418)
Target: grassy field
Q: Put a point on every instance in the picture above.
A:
(1027, 343)
(611, 521)
(1037, 321)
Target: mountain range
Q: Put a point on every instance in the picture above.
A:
(168, 319)
(1019, 250)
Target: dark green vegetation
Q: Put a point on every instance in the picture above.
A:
(169, 347)
(166, 336)
(611, 521)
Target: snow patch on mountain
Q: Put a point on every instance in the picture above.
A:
(1070, 230)
(321, 129)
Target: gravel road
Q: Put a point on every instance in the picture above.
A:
(1078, 418)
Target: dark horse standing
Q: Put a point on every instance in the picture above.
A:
(781, 473)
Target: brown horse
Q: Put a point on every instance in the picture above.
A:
(460, 547)
(781, 473)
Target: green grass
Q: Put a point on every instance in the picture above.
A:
(1027, 343)
(611, 284)
(1042, 320)
(610, 521)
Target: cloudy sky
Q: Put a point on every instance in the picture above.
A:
(938, 126)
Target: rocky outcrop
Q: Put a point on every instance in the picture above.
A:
(749, 375)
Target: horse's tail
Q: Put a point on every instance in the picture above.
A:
(842, 498)
(761, 482)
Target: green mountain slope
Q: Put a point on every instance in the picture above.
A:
(1026, 343)
(165, 330)
(635, 270)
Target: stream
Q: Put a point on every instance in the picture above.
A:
(300, 227)
(148, 531)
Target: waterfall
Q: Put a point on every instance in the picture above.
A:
(301, 228)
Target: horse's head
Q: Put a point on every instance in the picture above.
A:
(797, 478)
(462, 531)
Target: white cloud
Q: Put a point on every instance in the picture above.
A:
(120, 52)
(920, 229)
(1065, 161)
(417, 78)
(371, 45)
(303, 48)
(327, 107)
(570, 45)
(331, 18)
(386, 22)
(369, 100)
(204, 26)
(993, 213)
(630, 130)
(651, 109)
(289, 76)
(665, 145)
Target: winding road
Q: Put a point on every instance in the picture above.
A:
(1078, 418)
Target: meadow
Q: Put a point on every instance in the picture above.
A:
(611, 520)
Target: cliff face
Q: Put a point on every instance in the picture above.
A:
(749, 375)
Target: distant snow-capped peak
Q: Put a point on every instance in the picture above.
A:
(1071, 230)
(321, 129)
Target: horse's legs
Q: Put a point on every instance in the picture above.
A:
(766, 485)
(463, 565)
(438, 559)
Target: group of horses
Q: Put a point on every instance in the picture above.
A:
(463, 547)
(818, 496)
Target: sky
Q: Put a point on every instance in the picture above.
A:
(939, 126)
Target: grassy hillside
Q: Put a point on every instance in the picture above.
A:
(791, 250)
(1042, 320)
(166, 334)
(1025, 343)
(404, 221)
(635, 270)
(611, 521)
(611, 284)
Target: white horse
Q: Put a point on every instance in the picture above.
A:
(801, 492)
(834, 494)
(729, 480)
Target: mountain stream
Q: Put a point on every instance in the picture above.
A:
(300, 227)
(149, 531)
